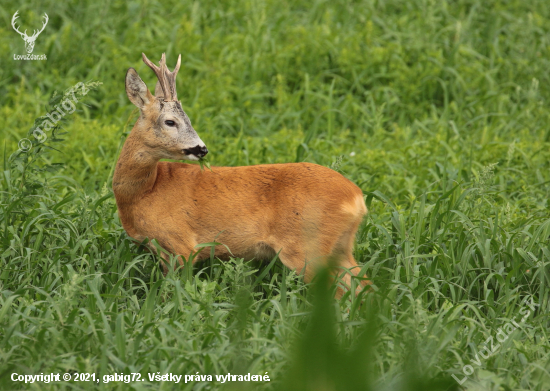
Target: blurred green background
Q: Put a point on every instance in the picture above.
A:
(436, 109)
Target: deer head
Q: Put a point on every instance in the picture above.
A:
(163, 127)
(29, 41)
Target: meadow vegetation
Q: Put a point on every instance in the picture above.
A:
(438, 110)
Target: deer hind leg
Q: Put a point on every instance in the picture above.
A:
(337, 254)
(345, 266)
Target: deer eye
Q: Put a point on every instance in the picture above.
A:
(170, 123)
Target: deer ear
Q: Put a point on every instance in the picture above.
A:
(159, 93)
(137, 91)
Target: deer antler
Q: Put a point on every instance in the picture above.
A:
(43, 26)
(167, 79)
(15, 27)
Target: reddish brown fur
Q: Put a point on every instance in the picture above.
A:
(307, 212)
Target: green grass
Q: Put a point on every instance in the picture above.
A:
(437, 110)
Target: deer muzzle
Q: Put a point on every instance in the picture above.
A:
(198, 151)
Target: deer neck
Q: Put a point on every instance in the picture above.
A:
(136, 170)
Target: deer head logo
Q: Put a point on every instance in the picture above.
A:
(29, 41)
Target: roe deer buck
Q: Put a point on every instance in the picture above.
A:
(307, 212)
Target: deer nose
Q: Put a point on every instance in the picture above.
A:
(197, 151)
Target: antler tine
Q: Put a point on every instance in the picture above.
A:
(150, 63)
(162, 61)
(171, 77)
(177, 68)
